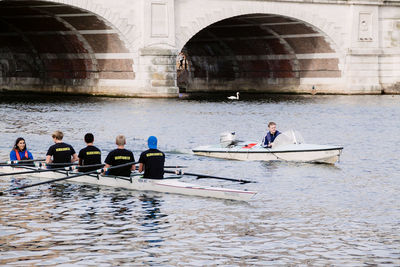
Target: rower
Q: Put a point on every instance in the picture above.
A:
(120, 156)
(19, 151)
(60, 152)
(152, 160)
(90, 155)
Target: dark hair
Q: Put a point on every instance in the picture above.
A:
(271, 123)
(89, 138)
(17, 141)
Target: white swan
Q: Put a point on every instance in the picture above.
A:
(234, 97)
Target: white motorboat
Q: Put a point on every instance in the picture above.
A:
(288, 146)
(166, 185)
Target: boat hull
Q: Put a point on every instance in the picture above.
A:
(142, 184)
(298, 153)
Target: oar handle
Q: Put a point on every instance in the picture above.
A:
(16, 162)
(120, 166)
(88, 166)
(68, 168)
(176, 167)
(72, 166)
(34, 171)
(172, 167)
(59, 164)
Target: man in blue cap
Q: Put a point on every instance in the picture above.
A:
(152, 160)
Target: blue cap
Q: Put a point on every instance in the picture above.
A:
(152, 142)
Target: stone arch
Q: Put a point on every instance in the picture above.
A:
(66, 46)
(301, 72)
(186, 31)
(128, 32)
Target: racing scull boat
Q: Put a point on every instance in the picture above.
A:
(166, 185)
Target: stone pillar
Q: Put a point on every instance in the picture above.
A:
(157, 56)
(362, 60)
(158, 72)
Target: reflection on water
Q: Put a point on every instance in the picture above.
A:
(346, 214)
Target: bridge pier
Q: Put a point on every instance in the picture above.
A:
(157, 72)
(362, 72)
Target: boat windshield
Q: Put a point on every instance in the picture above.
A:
(288, 137)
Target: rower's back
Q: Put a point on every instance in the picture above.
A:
(60, 152)
(90, 155)
(152, 160)
(117, 157)
(120, 156)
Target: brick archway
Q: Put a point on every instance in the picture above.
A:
(189, 28)
(261, 52)
(128, 32)
(58, 46)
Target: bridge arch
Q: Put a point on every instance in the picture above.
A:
(128, 32)
(261, 48)
(192, 25)
(65, 46)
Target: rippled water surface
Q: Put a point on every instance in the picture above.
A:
(347, 214)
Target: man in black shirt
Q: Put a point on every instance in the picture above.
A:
(152, 160)
(60, 152)
(90, 155)
(120, 156)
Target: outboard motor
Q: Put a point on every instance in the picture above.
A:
(227, 139)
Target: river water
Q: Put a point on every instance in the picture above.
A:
(347, 214)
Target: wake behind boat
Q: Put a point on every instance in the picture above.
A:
(166, 185)
(288, 146)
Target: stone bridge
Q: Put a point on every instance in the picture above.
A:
(158, 48)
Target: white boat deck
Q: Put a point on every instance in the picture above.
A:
(288, 152)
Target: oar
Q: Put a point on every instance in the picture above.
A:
(68, 177)
(70, 168)
(60, 164)
(32, 171)
(73, 165)
(201, 176)
(171, 167)
(15, 162)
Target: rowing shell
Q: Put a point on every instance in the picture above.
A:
(142, 184)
